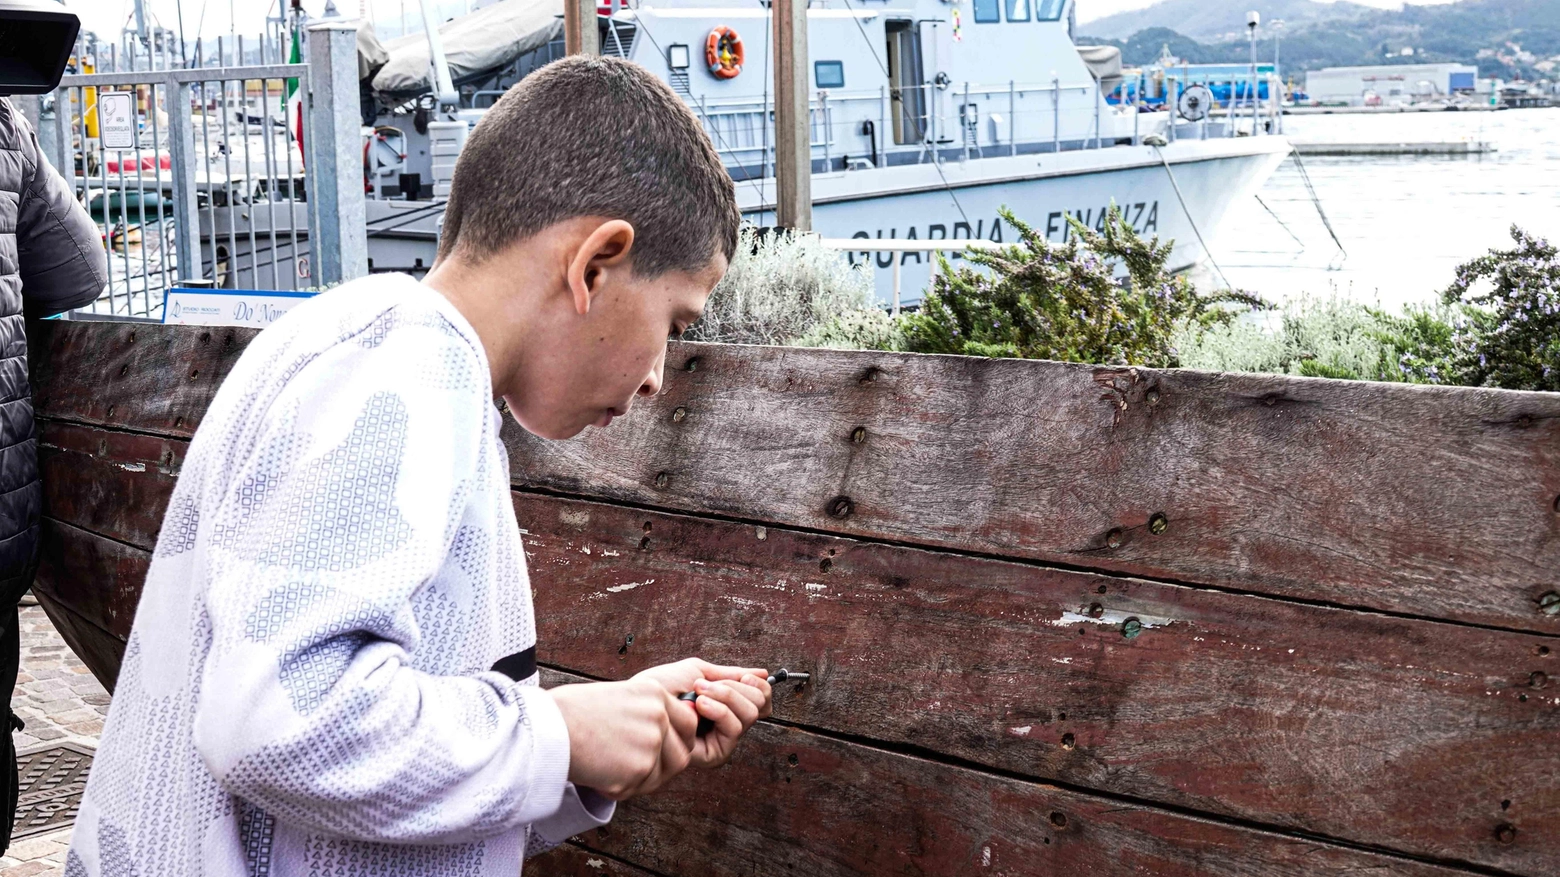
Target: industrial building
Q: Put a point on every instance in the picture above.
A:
(1390, 84)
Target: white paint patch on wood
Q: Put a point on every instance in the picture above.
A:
(618, 589)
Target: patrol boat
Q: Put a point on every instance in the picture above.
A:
(926, 117)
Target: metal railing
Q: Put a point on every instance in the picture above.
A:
(881, 245)
(210, 185)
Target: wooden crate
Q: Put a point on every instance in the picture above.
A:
(1063, 619)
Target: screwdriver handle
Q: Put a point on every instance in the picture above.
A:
(705, 725)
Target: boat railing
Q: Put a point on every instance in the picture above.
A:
(934, 248)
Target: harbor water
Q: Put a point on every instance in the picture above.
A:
(1406, 221)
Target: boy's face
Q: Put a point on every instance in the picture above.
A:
(598, 361)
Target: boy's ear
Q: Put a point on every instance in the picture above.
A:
(605, 248)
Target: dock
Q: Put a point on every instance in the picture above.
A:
(1427, 147)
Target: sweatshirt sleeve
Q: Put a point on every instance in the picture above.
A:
(315, 703)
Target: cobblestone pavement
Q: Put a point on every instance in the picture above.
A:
(59, 700)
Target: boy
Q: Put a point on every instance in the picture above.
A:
(332, 667)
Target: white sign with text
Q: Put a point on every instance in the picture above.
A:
(228, 307)
(116, 119)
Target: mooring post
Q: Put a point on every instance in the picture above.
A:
(335, 144)
(580, 36)
(793, 145)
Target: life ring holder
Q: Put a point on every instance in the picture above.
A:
(723, 53)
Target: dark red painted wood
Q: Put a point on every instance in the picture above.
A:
(1391, 732)
(797, 803)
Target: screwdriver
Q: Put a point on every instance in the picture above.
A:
(781, 675)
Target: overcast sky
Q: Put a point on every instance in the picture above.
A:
(211, 17)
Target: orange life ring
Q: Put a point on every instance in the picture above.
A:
(723, 53)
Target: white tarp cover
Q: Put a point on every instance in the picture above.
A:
(1105, 63)
(490, 37)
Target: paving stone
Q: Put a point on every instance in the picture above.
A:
(33, 848)
(27, 869)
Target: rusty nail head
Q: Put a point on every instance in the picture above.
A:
(841, 507)
(661, 479)
(1096, 610)
(1058, 818)
(1153, 397)
(692, 364)
(859, 435)
(1538, 679)
(1158, 524)
(1113, 539)
(679, 414)
(1506, 833)
(1549, 603)
(870, 376)
(1131, 628)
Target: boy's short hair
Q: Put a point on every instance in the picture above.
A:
(593, 136)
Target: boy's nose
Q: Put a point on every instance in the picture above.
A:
(652, 384)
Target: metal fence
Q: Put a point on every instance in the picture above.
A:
(196, 174)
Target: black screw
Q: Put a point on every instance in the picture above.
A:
(1096, 610)
(691, 365)
(1113, 539)
(1549, 603)
(1100, 590)
(1506, 832)
(1153, 397)
(841, 507)
(792, 760)
(1068, 741)
(661, 479)
(859, 435)
(826, 564)
(629, 639)
(644, 543)
(1542, 651)
(1131, 628)
(679, 414)
(1058, 818)
(1158, 524)
(869, 376)
(1538, 679)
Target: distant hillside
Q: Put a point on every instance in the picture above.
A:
(1218, 20)
(1505, 38)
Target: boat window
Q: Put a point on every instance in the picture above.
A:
(1018, 10)
(1049, 10)
(987, 11)
(829, 74)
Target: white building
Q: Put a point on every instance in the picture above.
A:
(1390, 84)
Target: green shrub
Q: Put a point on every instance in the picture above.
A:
(1510, 334)
(1331, 338)
(1039, 300)
(788, 288)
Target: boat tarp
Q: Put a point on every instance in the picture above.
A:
(371, 53)
(1105, 63)
(486, 39)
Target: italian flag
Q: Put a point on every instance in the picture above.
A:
(292, 104)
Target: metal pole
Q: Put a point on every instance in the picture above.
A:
(1099, 98)
(1056, 114)
(340, 245)
(1137, 107)
(965, 122)
(898, 259)
(1256, 123)
(883, 129)
(793, 147)
(823, 114)
(580, 36)
(1012, 119)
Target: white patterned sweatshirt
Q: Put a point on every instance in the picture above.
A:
(331, 670)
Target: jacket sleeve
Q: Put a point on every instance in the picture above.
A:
(339, 548)
(59, 250)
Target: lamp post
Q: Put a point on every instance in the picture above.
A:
(1253, 18)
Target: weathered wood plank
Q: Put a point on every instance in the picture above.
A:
(1436, 502)
(89, 586)
(1417, 736)
(134, 375)
(112, 483)
(570, 860)
(1299, 716)
(795, 802)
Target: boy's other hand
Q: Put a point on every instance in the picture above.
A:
(625, 738)
(731, 697)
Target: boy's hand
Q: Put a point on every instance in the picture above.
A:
(731, 697)
(625, 738)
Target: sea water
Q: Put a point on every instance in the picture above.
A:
(1406, 222)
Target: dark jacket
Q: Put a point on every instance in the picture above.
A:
(51, 260)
